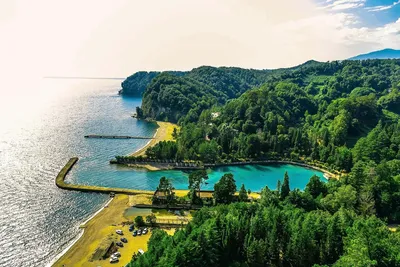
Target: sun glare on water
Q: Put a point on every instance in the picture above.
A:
(23, 100)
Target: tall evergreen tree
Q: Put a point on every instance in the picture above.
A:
(278, 188)
(285, 190)
(243, 197)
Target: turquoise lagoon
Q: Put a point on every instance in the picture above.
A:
(254, 177)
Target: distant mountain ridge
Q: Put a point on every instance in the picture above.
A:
(381, 54)
(136, 84)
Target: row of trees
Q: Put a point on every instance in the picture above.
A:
(224, 189)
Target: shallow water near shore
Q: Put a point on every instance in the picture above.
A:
(38, 220)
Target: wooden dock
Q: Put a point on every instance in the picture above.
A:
(116, 136)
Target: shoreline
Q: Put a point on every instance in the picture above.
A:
(94, 229)
(82, 225)
(88, 248)
(163, 133)
(64, 251)
(147, 145)
(79, 236)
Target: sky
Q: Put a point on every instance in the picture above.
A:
(116, 38)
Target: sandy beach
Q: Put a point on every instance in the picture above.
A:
(101, 227)
(98, 228)
(163, 133)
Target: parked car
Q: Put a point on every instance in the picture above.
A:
(114, 260)
(119, 244)
(144, 231)
(119, 232)
(131, 227)
(139, 232)
(124, 240)
(116, 254)
(135, 233)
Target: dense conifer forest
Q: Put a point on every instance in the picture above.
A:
(340, 115)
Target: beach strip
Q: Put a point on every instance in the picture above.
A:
(79, 236)
(163, 133)
(101, 225)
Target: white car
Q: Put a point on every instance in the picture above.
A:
(119, 232)
(116, 254)
(114, 259)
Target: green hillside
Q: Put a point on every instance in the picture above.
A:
(343, 116)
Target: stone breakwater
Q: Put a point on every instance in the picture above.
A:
(60, 182)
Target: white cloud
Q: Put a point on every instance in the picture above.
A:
(366, 39)
(382, 8)
(341, 35)
(343, 4)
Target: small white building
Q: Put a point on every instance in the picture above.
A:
(215, 114)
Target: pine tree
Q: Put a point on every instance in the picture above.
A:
(243, 197)
(278, 187)
(285, 186)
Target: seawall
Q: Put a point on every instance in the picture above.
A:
(60, 182)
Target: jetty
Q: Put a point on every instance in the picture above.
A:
(116, 136)
(60, 182)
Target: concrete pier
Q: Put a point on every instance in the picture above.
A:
(116, 136)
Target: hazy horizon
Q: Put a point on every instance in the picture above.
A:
(118, 38)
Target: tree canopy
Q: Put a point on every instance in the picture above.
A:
(343, 116)
(224, 189)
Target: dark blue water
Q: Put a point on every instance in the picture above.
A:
(38, 220)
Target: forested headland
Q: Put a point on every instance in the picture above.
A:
(342, 115)
(136, 84)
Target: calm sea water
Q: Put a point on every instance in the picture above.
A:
(40, 133)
